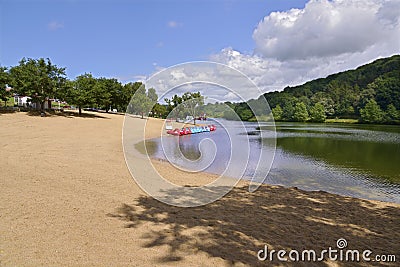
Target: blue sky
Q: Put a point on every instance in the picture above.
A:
(276, 43)
(127, 39)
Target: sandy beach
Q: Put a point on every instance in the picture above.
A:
(68, 199)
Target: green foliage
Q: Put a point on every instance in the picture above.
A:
(245, 114)
(392, 113)
(152, 95)
(277, 112)
(174, 107)
(345, 94)
(39, 79)
(372, 112)
(159, 111)
(230, 114)
(114, 89)
(361, 94)
(300, 112)
(142, 102)
(317, 113)
(101, 93)
(187, 104)
(81, 91)
(191, 102)
(105, 93)
(4, 81)
(128, 91)
(215, 110)
(243, 111)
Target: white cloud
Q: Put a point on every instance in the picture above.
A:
(215, 81)
(55, 25)
(325, 37)
(326, 28)
(174, 24)
(131, 78)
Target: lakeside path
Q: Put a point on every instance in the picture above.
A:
(68, 199)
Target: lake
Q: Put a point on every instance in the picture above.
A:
(347, 159)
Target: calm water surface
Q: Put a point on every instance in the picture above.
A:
(352, 160)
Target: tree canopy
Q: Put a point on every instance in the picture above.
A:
(4, 81)
(143, 102)
(39, 79)
(81, 91)
(191, 102)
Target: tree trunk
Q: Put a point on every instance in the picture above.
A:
(194, 120)
(42, 113)
(5, 103)
(142, 114)
(80, 110)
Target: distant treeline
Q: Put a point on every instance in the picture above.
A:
(370, 94)
(41, 81)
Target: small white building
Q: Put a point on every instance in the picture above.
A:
(25, 101)
(21, 101)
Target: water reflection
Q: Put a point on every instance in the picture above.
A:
(353, 160)
(375, 158)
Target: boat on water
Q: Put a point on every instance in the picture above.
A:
(192, 130)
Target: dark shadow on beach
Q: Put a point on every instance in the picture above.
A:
(237, 226)
(6, 111)
(66, 114)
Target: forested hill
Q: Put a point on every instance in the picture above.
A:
(370, 93)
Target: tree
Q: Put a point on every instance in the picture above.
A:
(344, 94)
(191, 101)
(101, 93)
(387, 90)
(159, 111)
(288, 109)
(244, 113)
(151, 93)
(317, 113)
(39, 79)
(128, 91)
(300, 112)
(4, 81)
(277, 112)
(392, 113)
(372, 112)
(230, 114)
(366, 95)
(81, 91)
(174, 106)
(142, 102)
(115, 89)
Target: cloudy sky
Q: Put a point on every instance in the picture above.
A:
(324, 37)
(274, 43)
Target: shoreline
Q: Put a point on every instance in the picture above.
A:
(247, 179)
(69, 200)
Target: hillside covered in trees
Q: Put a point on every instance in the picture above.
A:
(370, 94)
(349, 94)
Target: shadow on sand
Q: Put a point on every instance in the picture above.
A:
(6, 111)
(237, 226)
(67, 114)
